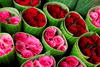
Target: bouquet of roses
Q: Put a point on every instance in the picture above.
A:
(10, 20)
(70, 61)
(73, 27)
(7, 50)
(55, 12)
(23, 4)
(87, 49)
(27, 46)
(34, 21)
(93, 19)
(54, 41)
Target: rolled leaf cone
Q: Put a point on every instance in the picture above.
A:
(6, 3)
(19, 57)
(69, 36)
(64, 58)
(83, 6)
(10, 28)
(89, 19)
(54, 52)
(36, 31)
(37, 58)
(77, 52)
(70, 3)
(52, 21)
(8, 60)
(22, 7)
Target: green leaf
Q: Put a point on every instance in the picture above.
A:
(6, 3)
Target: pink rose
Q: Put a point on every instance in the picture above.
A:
(96, 23)
(3, 45)
(62, 47)
(20, 46)
(71, 61)
(93, 15)
(5, 15)
(58, 40)
(46, 61)
(63, 64)
(37, 42)
(80, 66)
(2, 20)
(97, 11)
(50, 33)
(14, 20)
(29, 64)
(27, 54)
(1, 52)
(20, 36)
(7, 39)
(37, 64)
(8, 50)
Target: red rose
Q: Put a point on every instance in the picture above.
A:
(93, 38)
(98, 42)
(80, 23)
(54, 15)
(72, 29)
(23, 2)
(83, 42)
(93, 50)
(69, 21)
(90, 43)
(86, 52)
(94, 60)
(98, 50)
(74, 16)
(41, 24)
(34, 3)
(32, 12)
(60, 15)
(64, 11)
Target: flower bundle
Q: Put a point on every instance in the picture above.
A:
(87, 49)
(54, 41)
(7, 50)
(34, 21)
(27, 46)
(70, 61)
(23, 4)
(93, 19)
(55, 12)
(10, 20)
(40, 61)
(73, 27)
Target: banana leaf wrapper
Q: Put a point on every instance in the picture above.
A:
(6, 3)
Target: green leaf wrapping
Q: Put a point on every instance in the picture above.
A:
(37, 57)
(19, 57)
(54, 52)
(83, 6)
(36, 31)
(6, 3)
(64, 58)
(8, 60)
(77, 52)
(71, 39)
(88, 21)
(52, 21)
(22, 7)
(70, 3)
(10, 28)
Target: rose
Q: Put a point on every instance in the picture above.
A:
(98, 42)
(4, 15)
(26, 54)
(97, 11)
(83, 41)
(93, 51)
(7, 39)
(62, 47)
(8, 50)
(72, 29)
(93, 15)
(29, 64)
(20, 36)
(74, 16)
(87, 52)
(3, 45)
(2, 20)
(98, 50)
(50, 43)
(34, 3)
(14, 20)
(58, 40)
(64, 11)
(1, 52)
(60, 15)
(37, 64)
(63, 64)
(71, 61)
(46, 61)
(23, 2)
(41, 24)
(50, 33)
(80, 23)
(80, 66)
(96, 23)
(69, 21)
(20, 46)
